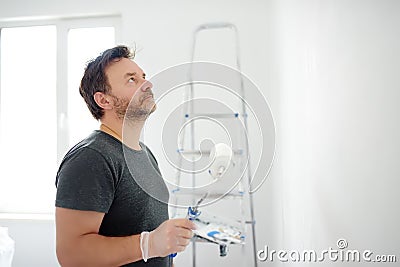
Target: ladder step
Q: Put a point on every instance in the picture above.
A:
(211, 195)
(215, 115)
(205, 152)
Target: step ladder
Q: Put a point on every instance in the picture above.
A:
(241, 191)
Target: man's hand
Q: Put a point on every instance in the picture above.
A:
(170, 237)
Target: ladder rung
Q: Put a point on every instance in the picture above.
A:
(209, 196)
(205, 152)
(214, 115)
(215, 25)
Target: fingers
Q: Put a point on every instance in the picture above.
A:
(182, 242)
(176, 235)
(171, 236)
(184, 223)
(180, 248)
(184, 233)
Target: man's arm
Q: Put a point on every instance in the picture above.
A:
(79, 244)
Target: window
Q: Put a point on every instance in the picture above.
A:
(41, 112)
(28, 137)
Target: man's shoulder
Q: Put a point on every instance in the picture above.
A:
(97, 143)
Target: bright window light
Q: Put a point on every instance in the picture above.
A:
(28, 119)
(83, 45)
(28, 107)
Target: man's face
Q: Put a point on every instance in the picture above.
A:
(129, 85)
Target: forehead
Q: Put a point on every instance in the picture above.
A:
(118, 69)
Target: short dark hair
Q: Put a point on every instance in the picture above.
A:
(95, 79)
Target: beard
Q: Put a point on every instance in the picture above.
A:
(135, 111)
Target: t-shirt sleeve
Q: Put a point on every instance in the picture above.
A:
(85, 181)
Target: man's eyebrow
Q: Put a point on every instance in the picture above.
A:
(129, 74)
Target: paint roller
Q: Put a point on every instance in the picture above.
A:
(221, 156)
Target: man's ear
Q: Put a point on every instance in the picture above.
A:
(102, 100)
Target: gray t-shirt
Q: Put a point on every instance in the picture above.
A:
(101, 174)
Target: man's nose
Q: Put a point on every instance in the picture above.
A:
(146, 86)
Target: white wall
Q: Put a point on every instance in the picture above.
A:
(328, 69)
(34, 241)
(336, 66)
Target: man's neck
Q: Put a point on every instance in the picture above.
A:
(128, 133)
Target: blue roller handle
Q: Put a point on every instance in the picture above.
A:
(193, 213)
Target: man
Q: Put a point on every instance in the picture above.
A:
(112, 203)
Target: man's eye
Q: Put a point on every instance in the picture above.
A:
(132, 80)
